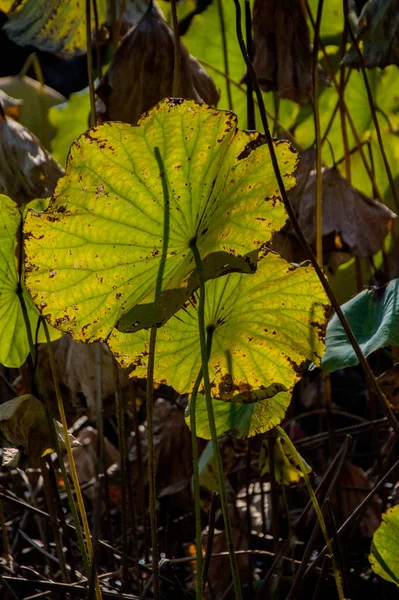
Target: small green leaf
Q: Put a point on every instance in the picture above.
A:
(244, 420)
(384, 556)
(265, 326)
(373, 316)
(95, 253)
(14, 346)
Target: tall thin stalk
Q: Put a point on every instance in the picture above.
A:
(317, 509)
(177, 59)
(150, 379)
(225, 53)
(90, 75)
(212, 426)
(315, 103)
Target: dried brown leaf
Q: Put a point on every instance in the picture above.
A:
(11, 106)
(353, 224)
(354, 485)
(282, 50)
(36, 99)
(24, 425)
(27, 170)
(378, 29)
(141, 73)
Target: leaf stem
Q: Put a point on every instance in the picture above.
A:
(93, 116)
(150, 378)
(177, 58)
(196, 486)
(196, 478)
(317, 509)
(225, 53)
(211, 418)
(316, 114)
(87, 557)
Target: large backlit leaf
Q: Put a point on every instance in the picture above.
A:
(59, 26)
(14, 346)
(374, 319)
(384, 557)
(245, 420)
(264, 326)
(95, 253)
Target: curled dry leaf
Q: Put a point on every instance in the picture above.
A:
(353, 224)
(141, 73)
(27, 170)
(378, 29)
(24, 425)
(282, 50)
(36, 100)
(11, 106)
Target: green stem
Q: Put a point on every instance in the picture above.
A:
(93, 117)
(87, 554)
(317, 509)
(225, 53)
(196, 486)
(319, 191)
(151, 460)
(211, 418)
(177, 59)
(196, 477)
(150, 377)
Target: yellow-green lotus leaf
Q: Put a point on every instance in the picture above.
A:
(244, 420)
(264, 328)
(384, 556)
(95, 253)
(14, 346)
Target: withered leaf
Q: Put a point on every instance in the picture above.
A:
(24, 425)
(141, 73)
(27, 170)
(378, 29)
(36, 99)
(11, 106)
(353, 223)
(282, 50)
(354, 483)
